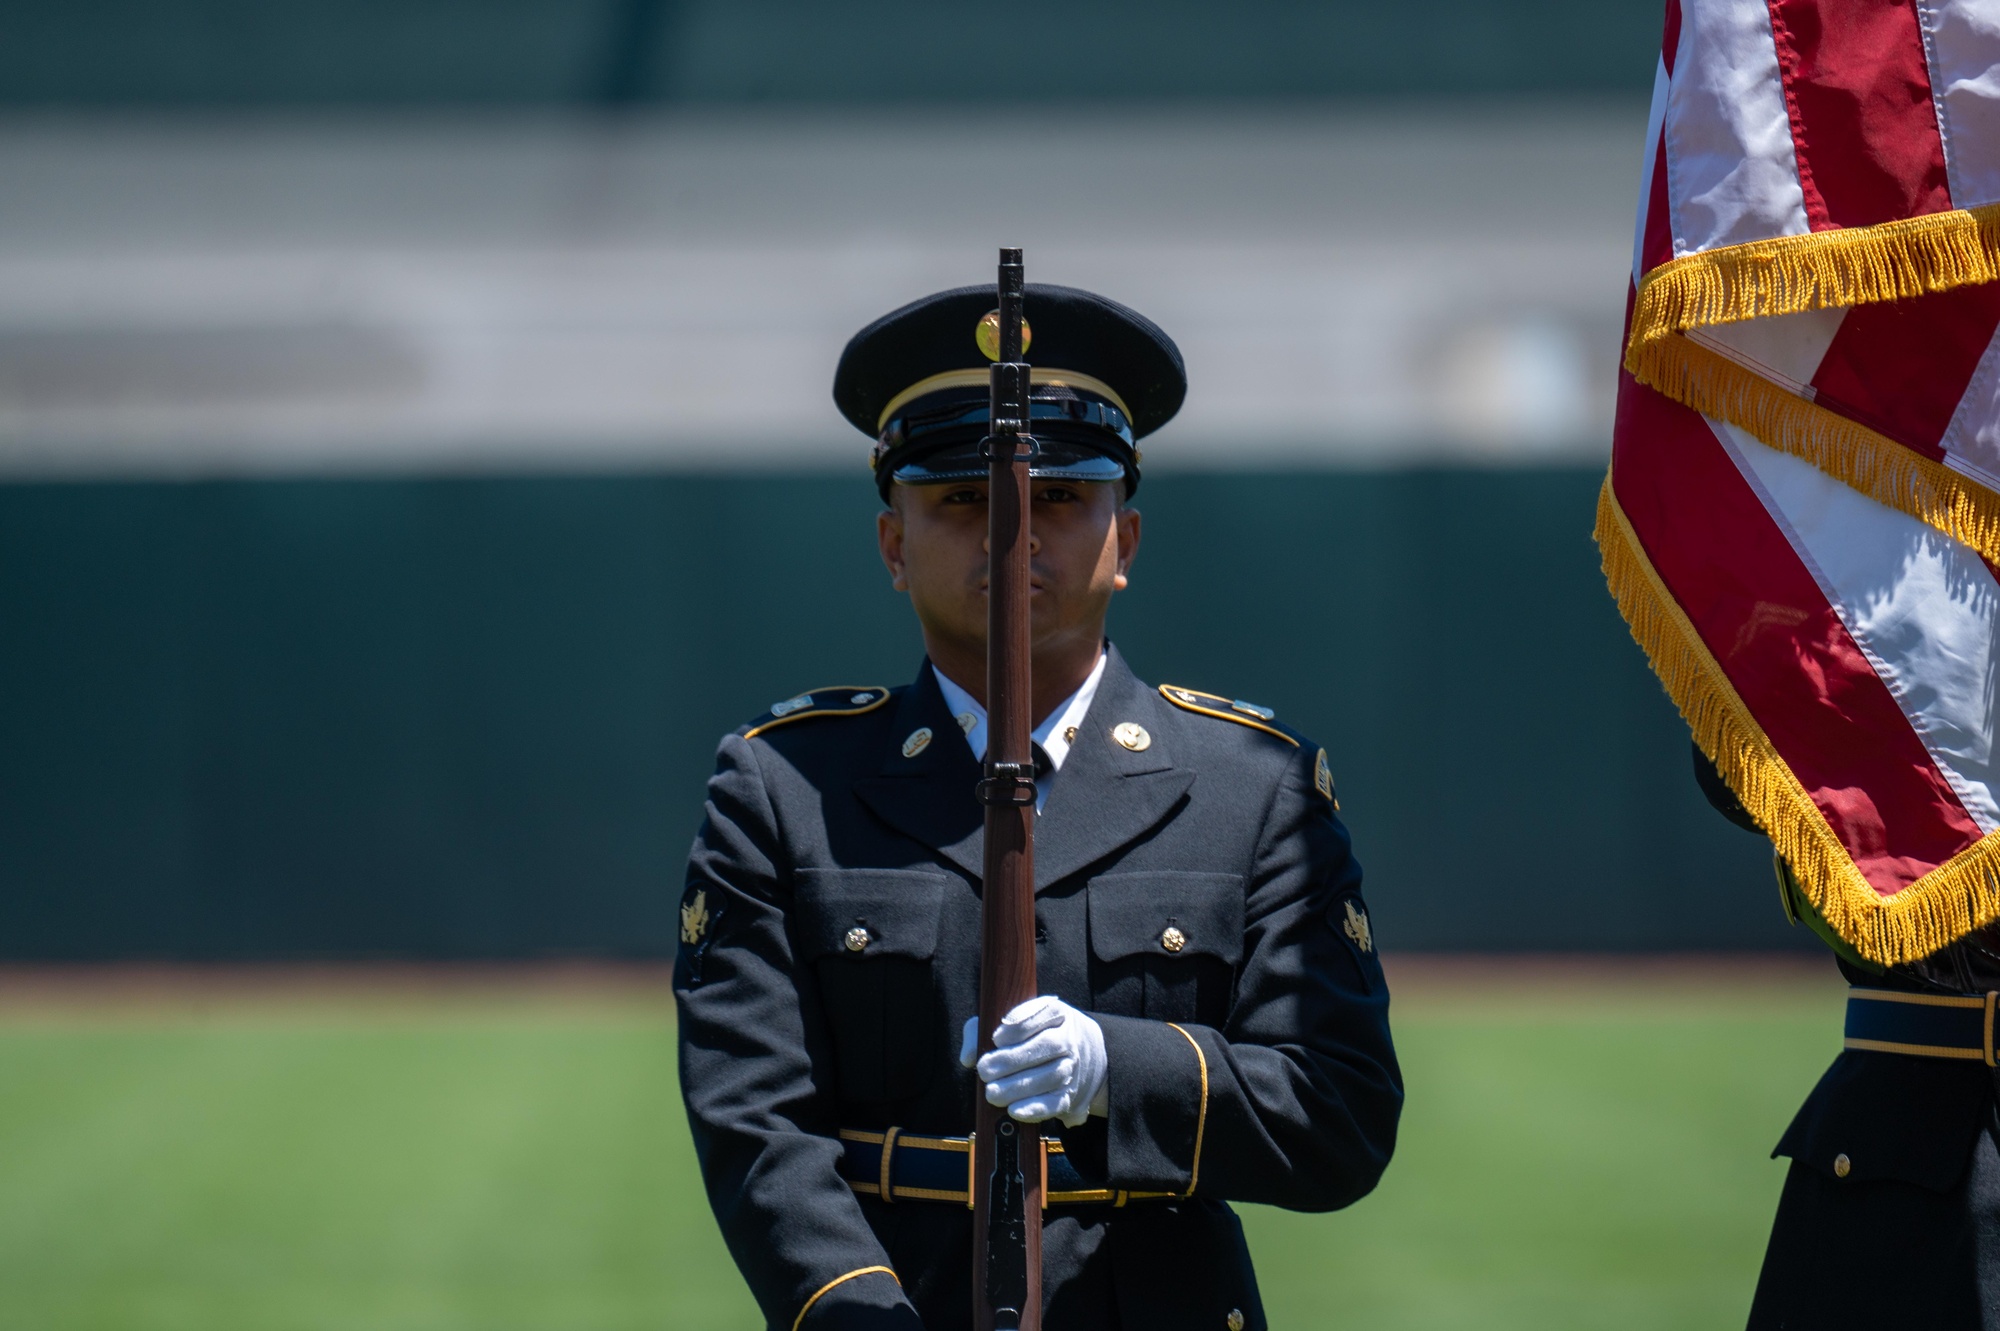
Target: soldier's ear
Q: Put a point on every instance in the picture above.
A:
(1128, 525)
(889, 540)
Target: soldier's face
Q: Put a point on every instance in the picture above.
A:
(1082, 541)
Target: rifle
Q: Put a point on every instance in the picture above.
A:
(1007, 1165)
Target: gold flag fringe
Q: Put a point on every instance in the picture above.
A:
(1871, 463)
(1944, 905)
(1822, 270)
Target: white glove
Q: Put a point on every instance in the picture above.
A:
(1048, 1062)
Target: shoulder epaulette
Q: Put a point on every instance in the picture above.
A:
(1229, 709)
(836, 700)
(1257, 718)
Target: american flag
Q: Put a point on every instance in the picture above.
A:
(1802, 515)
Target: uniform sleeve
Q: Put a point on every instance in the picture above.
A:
(754, 1057)
(1294, 1102)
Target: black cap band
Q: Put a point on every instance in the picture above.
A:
(935, 438)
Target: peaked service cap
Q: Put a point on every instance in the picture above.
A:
(915, 381)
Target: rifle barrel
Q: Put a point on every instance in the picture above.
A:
(1008, 1171)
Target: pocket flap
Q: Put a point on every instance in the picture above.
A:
(1168, 914)
(1892, 1116)
(895, 912)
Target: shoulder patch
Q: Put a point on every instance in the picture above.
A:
(1229, 709)
(836, 700)
(1323, 779)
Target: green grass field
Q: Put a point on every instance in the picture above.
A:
(1574, 1155)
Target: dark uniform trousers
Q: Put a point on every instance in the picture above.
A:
(830, 955)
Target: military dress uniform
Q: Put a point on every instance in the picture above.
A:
(1890, 1215)
(1196, 894)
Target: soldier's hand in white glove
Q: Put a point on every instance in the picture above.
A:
(1047, 1062)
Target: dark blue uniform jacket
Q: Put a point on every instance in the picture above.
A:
(1890, 1214)
(1253, 1064)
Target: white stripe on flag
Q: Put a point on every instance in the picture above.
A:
(1655, 119)
(1972, 440)
(1732, 169)
(1962, 48)
(1924, 609)
(1784, 348)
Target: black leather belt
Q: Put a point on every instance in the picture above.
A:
(1892, 1021)
(904, 1167)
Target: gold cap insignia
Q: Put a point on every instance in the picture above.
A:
(919, 740)
(694, 918)
(1357, 927)
(1323, 777)
(1132, 735)
(987, 334)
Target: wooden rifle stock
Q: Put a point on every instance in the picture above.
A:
(1007, 1173)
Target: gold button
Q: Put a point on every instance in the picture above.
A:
(1235, 1320)
(1132, 735)
(1841, 1165)
(1173, 940)
(858, 938)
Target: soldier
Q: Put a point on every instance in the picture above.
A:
(1213, 1024)
(1890, 1216)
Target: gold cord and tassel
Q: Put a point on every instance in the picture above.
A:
(1885, 471)
(1819, 271)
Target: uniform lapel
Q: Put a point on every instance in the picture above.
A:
(1106, 794)
(930, 796)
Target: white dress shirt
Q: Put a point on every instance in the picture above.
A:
(1054, 734)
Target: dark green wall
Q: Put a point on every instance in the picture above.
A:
(553, 52)
(472, 718)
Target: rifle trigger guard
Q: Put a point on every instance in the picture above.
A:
(1007, 784)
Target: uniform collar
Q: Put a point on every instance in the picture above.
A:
(1055, 734)
(1111, 793)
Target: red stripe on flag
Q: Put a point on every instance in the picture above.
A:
(1670, 37)
(1863, 125)
(1789, 657)
(1900, 367)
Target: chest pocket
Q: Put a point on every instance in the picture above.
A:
(869, 936)
(1165, 945)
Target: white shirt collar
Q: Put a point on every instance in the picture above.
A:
(1055, 734)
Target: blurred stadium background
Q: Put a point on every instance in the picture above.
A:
(415, 450)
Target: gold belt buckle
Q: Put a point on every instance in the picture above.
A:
(888, 1153)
